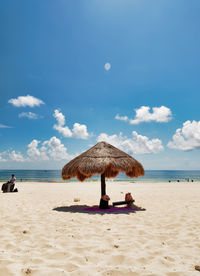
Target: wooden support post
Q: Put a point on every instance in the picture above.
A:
(103, 203)
(103, 184)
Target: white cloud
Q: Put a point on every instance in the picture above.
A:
(107, 66)
(51, 149)
(160, 114)
(121, 118)
(64, 130)
(23, 101)
(4, 126)
(2, 159)
(29, 115)
(18, 157)
(12, 156)
(59, 117)
(187, 138)
(79, 131)
(55, 149)
(138, 144)
(35, 153)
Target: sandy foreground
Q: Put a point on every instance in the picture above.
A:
(44, 232)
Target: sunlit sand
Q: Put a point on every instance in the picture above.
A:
(45, 232)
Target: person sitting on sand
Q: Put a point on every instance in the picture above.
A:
(104, 202)
(13, 179)
(9, 186)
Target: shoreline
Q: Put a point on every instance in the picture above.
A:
(107, 181)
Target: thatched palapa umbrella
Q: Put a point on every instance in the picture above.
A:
(103, 159)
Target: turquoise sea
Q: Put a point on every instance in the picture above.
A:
(55, 175)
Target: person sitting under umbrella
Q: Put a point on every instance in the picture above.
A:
(104, 202)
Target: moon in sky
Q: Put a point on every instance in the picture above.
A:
(107, 66)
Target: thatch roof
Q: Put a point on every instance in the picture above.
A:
(102, 158)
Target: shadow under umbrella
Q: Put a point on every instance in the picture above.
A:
(96, 210)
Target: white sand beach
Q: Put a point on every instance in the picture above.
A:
(44, 232)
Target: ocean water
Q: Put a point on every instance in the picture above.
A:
(55, 175)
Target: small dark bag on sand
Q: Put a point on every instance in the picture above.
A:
(8, 187)
(4, 187)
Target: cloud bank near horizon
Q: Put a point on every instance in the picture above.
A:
(48, 150)
(185, 139)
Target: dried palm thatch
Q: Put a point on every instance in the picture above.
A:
(103, 159)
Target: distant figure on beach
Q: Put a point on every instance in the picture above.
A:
(9, 186)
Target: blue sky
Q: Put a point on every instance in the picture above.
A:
(58, 96)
